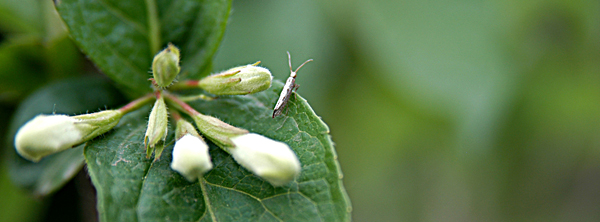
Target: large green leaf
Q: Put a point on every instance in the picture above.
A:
(133, 188)
(69, 97)
(122, 37)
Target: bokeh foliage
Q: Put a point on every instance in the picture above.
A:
(34, 49)
(446, 110)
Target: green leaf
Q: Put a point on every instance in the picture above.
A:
(69, 97)
(21, 69)
(26, 63)
(199, 37)
(133, 188)
(21, 16)
(122, 37)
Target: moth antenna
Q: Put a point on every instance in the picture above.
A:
(310, 60)
(290, 60)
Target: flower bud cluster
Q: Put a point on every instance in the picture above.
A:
(271, 160)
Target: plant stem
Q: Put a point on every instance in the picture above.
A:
(136, 104)
(175, 114)
(197, 97)
(187, 84)
(178, 104)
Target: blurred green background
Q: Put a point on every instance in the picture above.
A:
(440, 110)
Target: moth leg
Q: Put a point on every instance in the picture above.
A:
(295, 90)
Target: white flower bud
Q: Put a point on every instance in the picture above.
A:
(272, 160)
(190, 157)
(48, 134)
(183, 128)
(45, 135)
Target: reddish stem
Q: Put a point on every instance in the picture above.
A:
(191, 82)
(176, 116)
(187, 84)
(136, 104)
(181, 105)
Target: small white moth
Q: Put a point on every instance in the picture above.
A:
(290, 85)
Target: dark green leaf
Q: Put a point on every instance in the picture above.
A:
(69, 97)
(27, 63)
(199, 37)
(21, 69)
(133, 188)
(121, 37)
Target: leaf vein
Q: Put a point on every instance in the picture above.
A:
(315, 203)
(137, 201)
(250, 195)
(202, 183)
(117, 13)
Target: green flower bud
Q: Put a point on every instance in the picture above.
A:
(165, 66)
(271, 160)
(157, 128)
(183, 128)
(238, 81)
(49, 134)
(217, 131)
